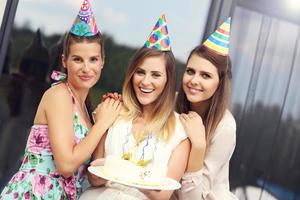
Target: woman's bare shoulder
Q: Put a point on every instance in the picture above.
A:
(57, 94)
(58, 90)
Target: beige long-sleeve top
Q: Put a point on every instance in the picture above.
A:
(212, 181)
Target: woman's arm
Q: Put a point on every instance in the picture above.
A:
(195, 130)
(199, 184)
(176, 167)
(97, 155)
(59, 115)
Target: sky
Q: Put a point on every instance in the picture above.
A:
(128, 22)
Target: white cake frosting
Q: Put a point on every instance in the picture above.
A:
(130, 172)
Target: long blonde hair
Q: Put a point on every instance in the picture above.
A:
(162, 117)
(220, 99)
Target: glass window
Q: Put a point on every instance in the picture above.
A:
(266, 101)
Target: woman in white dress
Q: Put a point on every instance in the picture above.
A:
(148, 132)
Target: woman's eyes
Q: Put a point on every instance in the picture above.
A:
(140, 72)
(76, 59)
(156, 75)
(153, 74)
(205, 76)
(190, 71)
(94, 59)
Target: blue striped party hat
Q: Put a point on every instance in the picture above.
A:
(219, 40)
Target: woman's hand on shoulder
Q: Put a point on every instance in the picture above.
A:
(115, 96)
(107, 111)
(194, 127)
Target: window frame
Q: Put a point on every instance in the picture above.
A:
(6, 27)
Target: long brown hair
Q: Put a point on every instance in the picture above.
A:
(220, 99)
(71, 39)
(162, 119)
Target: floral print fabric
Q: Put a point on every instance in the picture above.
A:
(37, 177)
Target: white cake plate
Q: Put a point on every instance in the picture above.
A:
(166, 183)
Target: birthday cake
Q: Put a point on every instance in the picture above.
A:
(130, 172)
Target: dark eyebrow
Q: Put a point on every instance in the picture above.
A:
(157, 72)
(207, 73)
(75, 56)
(138, 68)
(190, 68)
(90, 56)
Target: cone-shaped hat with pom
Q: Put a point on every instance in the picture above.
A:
(159, 38)
(85, 24)
(219, 40)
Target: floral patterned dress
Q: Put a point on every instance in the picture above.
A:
(37, 177)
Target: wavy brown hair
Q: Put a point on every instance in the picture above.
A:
(162, 118)
(220, 99)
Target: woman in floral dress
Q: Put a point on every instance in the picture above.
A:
(63, 137)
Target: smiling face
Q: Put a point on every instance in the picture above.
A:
(200, 80)
(84, 64)
(149, 80)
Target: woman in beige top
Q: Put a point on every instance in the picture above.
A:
(202, 102)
